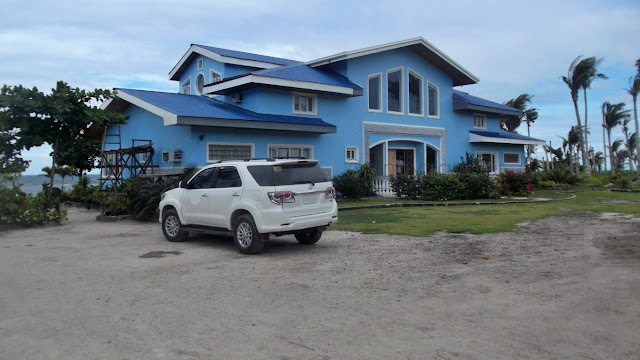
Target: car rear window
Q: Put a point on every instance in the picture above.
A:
(289, 174)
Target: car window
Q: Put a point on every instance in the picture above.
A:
(204, 180)
(228, 177)
(289, 174)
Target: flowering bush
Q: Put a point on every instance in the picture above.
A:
(515, 183)
(25, 209)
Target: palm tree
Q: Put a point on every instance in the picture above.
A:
(618, 154)
(530, 116)
(64, 171)
(614, 115)
(573, 139)
(581, 73)
(604, 127)
(598, 160)
(634, 89)
(589, 66)
(625, 131)
(511, 123)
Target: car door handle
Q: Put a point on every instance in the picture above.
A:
(236, 194)
(204, 195)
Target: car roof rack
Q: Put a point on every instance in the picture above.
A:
(270, 159)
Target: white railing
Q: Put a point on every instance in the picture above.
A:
(382, 186)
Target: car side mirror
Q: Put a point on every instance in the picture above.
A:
(182, 184)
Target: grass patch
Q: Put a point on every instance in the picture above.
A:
(481, 219)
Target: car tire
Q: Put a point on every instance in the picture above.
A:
(309, 237)
(246, 236)
(172, 228)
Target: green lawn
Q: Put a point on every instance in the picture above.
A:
(479, 219)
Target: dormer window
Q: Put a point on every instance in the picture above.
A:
(304, 104)
(479, 121)
(186, 87)
(200, 63)
(214, 76)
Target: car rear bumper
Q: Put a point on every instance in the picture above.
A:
(277, 221)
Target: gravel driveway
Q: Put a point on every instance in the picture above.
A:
(563, 287)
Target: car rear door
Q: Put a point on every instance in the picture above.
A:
(224, 195)
(309, 185)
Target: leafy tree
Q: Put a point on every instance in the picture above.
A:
(579, 76)
(11, 164)
(81, 155)
(614, 115)
(57, 118)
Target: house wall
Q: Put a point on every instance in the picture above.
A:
(226, 70)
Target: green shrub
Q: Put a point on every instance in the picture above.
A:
(561, 174)
(515, 183)
(477, 186)
(470, 164)
(438, 187)
(26, 209)
(367, 174)
(349, 184)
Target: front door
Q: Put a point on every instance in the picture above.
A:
(195, 198)
(400, 161)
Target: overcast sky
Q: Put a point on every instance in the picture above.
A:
(513, 47)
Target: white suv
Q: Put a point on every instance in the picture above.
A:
(250, 199)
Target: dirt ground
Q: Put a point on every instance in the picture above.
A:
(558, 288)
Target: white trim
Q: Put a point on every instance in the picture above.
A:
(106, 103)
(195, 85)
(390, 46)
(184, 84)
(421, 95)
(200, 63)
(219, 58)
(293, 103)
(168, 117)
(403, 125)
(474, 121)
(301, 146)
(512, 163)
(211, 72)
(379, 75)
(266, 80)
(497, 160)
(253, 148)
(437, 115)
(401, 99)
(475, 138)
(356, 151)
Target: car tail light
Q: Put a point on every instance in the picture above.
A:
(280, 197)
(330, 193)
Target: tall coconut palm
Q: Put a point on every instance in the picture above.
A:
(604, 139)
(511, 123)
(589, 67)
(570, 142)
(634, 89)
(614, 115)
(618, 154)
(598, 160)
(630, 150)
(530, 116)
(581, 72)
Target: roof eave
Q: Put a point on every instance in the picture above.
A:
(255, 124)
(462, 105)
(476, 138)
(252, 80)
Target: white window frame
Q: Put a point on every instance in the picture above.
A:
(111, 160)
(200, 63)
(437, 115)
(512, 153)
(211, 76)
(401, 100)
(143, 157)
(290, 146)
(421, 96)
(312, 96)
(379, 109)
(209, 160)
(484, 116)
(356, 155)
(495, 157)
(186, 85)
(203, 83)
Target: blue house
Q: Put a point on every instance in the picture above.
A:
(395, 106)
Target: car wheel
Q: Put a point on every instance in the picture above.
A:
(309, 236)
(246, 236)
(172, 228)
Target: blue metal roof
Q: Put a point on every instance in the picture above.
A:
(470, 102)
(249, 56)
(503, 135)
(309, 74)
(203, 107)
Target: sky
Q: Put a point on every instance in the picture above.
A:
(514, 47)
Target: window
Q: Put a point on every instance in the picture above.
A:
(200, 64)
(289, 174)
(200, 83)
(142, 157)
(351, 154)
(204, 179)
(226, 151)
(480, 121)
(304, 104)
(511, 158)
(375, 92)
(290, 151)
(214, 76)
(415, 94)
(394, 91)
(434, 101)
(186, 87)
(489, 160)
(109, 172)
(228, 177)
